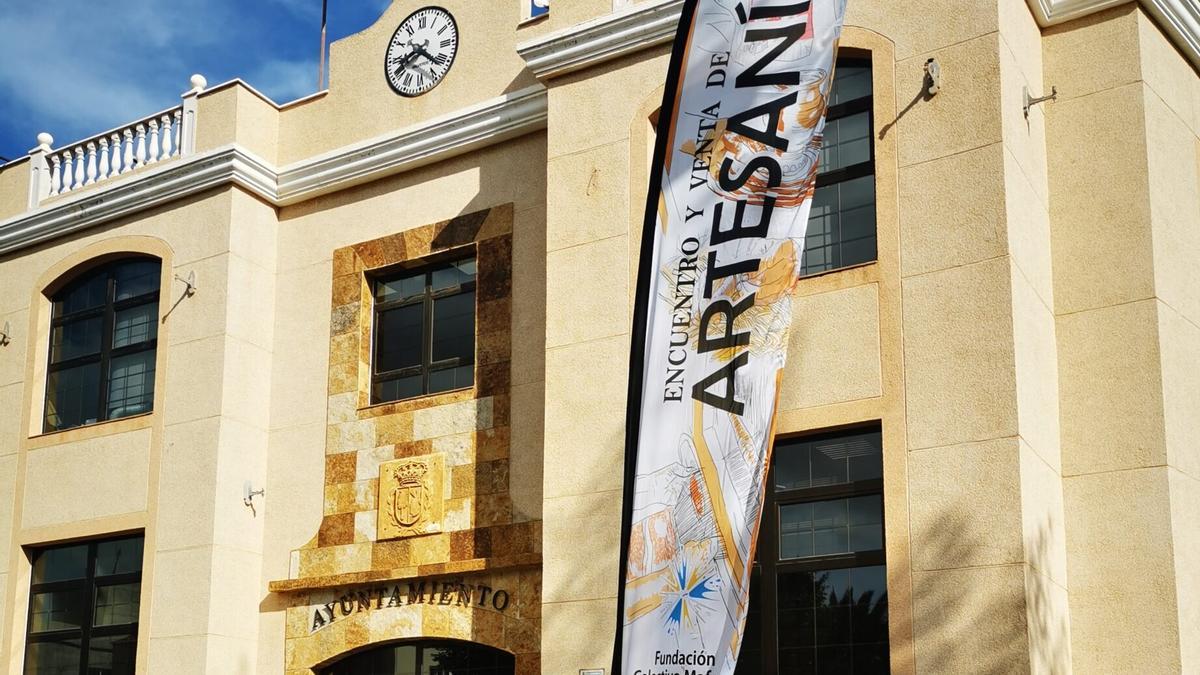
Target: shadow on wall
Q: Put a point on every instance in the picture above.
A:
(987, 619)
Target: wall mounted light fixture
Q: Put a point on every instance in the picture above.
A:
(1031, 101)
(5, 335)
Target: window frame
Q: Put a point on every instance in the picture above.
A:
(847, 173)
(767, 563)
(426, 298)
(89, 584)
(107, 312)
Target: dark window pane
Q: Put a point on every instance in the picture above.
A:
(113, 655)
(791, 467)
(136, 278)
(847, 142)
(399, 288)
(795, 531)
(454, 327)
(828, 466)
(58, 657)
(85, 293)
(57, 610)
(850, 82)
(398, 338)
(60, 564)
(75, 339)
(394, 390)
(117, 605)
(120, 556)
(73, 397)
(131, 385)
(135, 325)
(451, 378)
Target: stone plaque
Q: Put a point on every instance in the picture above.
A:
(410, 496)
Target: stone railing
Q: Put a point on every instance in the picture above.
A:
(161, 136)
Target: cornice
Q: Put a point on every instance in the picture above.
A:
(643, 25)
(652, 23)
(491, 122)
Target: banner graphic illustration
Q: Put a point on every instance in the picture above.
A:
(735, 163)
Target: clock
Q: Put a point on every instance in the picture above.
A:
(421, 51)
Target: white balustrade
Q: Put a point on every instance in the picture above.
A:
(152, 139)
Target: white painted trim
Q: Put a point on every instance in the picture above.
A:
(489, 123)
(652, 23)
(441, 138)
(623, 32)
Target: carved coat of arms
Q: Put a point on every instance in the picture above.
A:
(410, 497)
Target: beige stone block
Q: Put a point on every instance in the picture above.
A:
(458, 449)
(1167, 72)
(1024, 134)
(202, 315)
(578, 567)
(112, 471)
(1110, 391)
(585, 425)
(941, 224)
(959, 118)
(234, 593)
(342, 408)
(12, 366)
(835, 332)
(350, 436)
(8, 494)
(950, 606)
(526, 454)
(194, 381)
(247, 390)
(183, 655)
(958, 355)
(181, 596)
(1042, 517)
(1035, 354)
(1179, 342)
(187, 485)
(1020, 33)
(587, 293)
(251, 301)
(1027, 220)
(1073, 51)
(971, 519)
(528, 332)
(295, 481)
(590, 199)
(365, 526)
(300, 362)
(1185, 543)
(1048, 617)
(368, 461)
(12, 426)
(1101, 237)
(583, 111)
(561, 653)
(453, 418)
(1122, 572)
(914, 36)
(1174, 175)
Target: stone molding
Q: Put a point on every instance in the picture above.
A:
(494, 121)
(652, 23)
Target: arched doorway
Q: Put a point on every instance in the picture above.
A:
(425, 657)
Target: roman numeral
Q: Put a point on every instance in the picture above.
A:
(409, 30)
(447, 43)
(443, 29)
(422, 21)
(440, 59)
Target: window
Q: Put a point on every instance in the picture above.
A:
(424, 338)
(83, 608)
(428, 657)
(818, 590)
(103, 338)
(841, 225)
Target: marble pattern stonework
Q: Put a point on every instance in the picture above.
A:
(418, 489)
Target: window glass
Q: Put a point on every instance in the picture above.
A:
(424, 338)
(57, 610)
(71, 397)
(116, 605)
(75, 339)
(53, 657)
(131, 385)
(847, 142)
(82, 295)
(60, 564)
(119, 556)
(112, 655)
(136, 278)
(135, 325)
(430, 657)
(850, 82)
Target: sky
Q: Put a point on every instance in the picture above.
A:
(75, 68)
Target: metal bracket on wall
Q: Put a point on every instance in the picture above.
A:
(1031, 101)
(5, 335)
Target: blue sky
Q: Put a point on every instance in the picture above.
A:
(75, 68)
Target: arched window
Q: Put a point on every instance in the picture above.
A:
(103, 338)
(426, 657)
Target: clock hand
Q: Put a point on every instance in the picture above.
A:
(404, 62)
(422, 52)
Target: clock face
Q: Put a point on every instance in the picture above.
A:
(421, 51)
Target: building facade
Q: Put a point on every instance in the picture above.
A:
(339, 386)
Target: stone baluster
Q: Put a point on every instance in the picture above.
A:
(178, 132)
(152, 143)
(127, 156)
(55, 175)
(77, 181)
(66, 171)
(165, 125)
(104, 160)
(140, 150)
(90, 167)
(115, 157)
